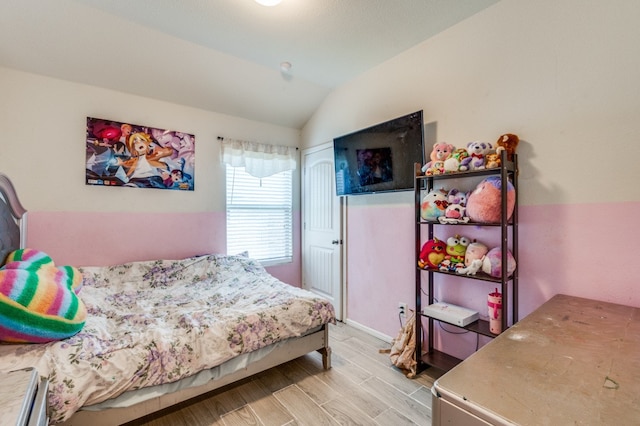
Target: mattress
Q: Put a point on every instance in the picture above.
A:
(133, 397)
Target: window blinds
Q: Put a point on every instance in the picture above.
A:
(259, 215)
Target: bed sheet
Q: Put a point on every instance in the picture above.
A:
(160, 321)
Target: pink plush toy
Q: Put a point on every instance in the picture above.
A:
(475, 251)
(483, 205)
(454, 214)
(440, 152)
(492, 263)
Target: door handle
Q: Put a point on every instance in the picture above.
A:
(336, 242)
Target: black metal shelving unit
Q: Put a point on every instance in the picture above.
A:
(508, 171)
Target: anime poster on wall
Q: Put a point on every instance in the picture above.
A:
(126, 154)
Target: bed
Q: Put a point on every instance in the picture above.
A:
(161, 332)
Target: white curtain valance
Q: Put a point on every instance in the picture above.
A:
(258, 159)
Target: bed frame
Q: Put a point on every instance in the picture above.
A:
(294, 348)
(13, 227)
(13, 219)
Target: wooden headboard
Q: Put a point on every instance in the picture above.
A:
(13, 219)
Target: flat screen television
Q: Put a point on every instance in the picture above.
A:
(379, 158)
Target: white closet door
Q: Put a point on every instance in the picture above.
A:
(322, 244)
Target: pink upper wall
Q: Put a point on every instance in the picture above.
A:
(560, 251)
(88, 239)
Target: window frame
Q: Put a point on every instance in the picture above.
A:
(232, 180)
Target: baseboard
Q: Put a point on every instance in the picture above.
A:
(370, 331)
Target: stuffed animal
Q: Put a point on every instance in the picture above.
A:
(475, 251)
(38, 300)
(439, 153)
(437, 168)
(492, 263)
(484, 202)
(454, 213)
(492, 161)
(456, 248)
(477, 152)
(431, 254)
(457, 197)
(508, 142)
(454, 259)
(457, 161)
(433, 205)
(472, 269)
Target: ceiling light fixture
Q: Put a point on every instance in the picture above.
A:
(268, 2)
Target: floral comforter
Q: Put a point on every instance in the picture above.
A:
(159, 321)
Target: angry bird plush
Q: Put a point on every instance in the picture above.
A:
(439, 153)
(433, 205)
(508, 142)
(431, 254)
(484, 202)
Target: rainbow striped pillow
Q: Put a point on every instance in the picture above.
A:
(38, 300)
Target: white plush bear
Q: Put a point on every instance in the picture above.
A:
(478, 152)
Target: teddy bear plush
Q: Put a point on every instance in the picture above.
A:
(478, 152)
(492, 161)
(508, 142)
(439, 153)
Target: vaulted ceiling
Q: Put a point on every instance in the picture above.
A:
(220, 55)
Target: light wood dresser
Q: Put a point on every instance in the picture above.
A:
(573, 361)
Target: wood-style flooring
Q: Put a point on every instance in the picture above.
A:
(361, 388)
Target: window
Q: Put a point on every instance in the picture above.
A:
(259, 215)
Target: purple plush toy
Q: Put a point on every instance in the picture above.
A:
(492, 263)
(483, 205)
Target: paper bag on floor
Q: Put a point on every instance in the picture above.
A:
(403, 349)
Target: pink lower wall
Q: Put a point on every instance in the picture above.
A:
(560, 251)
(86, 239)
